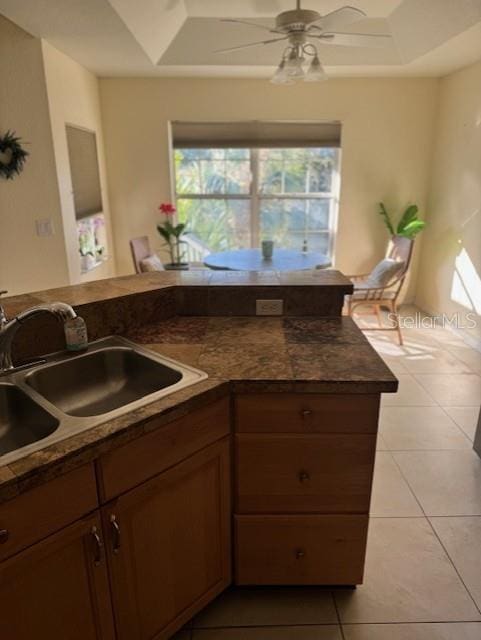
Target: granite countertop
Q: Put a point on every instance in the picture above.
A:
(244, 354)
(300, 354)
(111, 288)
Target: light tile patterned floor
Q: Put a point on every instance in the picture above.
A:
(423, 569)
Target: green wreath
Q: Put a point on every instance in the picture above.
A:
(14, 156)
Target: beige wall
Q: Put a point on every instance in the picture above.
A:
(73, 96)
(28, 262)
(450, 274)
(386, 146)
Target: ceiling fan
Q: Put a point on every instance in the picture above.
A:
(298, 27)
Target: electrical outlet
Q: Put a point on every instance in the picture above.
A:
(269, 307)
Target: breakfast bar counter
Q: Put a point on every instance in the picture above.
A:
(259, 474)
(181, 315)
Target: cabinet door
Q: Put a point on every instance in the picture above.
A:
(169, 545)
(58, 588)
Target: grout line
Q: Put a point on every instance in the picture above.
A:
(303, 625)
(416, 376)
(372, 517)
(443, 409)
(456, 422)
(409, 486)
(419, 503)
(452, 562)
(411, 622)
(474, 515)
(338, 615)
(426, 450)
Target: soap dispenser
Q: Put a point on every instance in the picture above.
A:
(76, 336)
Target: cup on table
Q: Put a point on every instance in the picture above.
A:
(267, 249)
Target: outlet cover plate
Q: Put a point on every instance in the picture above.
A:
(269, 307)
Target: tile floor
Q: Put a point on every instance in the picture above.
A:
(423, 567)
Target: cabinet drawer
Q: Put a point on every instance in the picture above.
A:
(297, 473)
(306, 413)
(39, 512)
(300, 550)
(133, 463)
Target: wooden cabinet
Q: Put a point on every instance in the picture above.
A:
(303, 476)
(159, 549)
(148, 561)
(306, 413)
(58, 588)
(47, 508)
(169, 545)
(128, 466)
(307, 549)
(303, 473)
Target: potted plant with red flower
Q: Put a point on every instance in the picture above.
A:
(172, 234)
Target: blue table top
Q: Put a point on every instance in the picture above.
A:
(252, 260)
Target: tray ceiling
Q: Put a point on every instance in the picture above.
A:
(177, 37)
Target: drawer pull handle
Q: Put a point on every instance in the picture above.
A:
(300, 554)
(4, 535)
(97, 546)
(306, 413)
(304, 476)
(115, 533)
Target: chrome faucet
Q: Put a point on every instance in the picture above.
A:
(9, 328)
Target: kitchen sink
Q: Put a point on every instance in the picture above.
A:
(101, 381)
(70, 393)
(22, 421)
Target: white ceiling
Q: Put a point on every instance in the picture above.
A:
(177, 37)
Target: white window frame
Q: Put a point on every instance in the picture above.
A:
(255, 197)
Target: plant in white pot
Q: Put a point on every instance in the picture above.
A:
(172, 235)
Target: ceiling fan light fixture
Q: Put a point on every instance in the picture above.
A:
(281, 76)
(293, 64)
(299, 27)
(315, 72)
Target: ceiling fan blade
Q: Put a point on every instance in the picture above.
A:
(340, 18)
(252, 44)
(251, 24)
(354, 39)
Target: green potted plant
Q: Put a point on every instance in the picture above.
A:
(409, 224)
(172, 235)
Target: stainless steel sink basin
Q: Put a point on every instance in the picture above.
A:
(22, 421)
(70, 393)
(101, 381)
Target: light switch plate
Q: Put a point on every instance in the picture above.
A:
(269, 307)
(44, 227)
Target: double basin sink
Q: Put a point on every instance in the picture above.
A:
(67, 394)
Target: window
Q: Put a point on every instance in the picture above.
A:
(84, 168)
(233, 198)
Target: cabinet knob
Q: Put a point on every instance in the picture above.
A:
(306, 413)
(300, 554)
(304, 476)
(4, 535)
